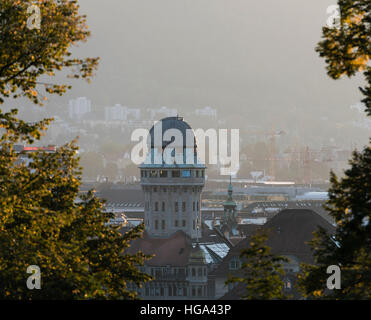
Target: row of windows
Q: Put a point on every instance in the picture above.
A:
(176, 206)
(163, 224)
(173, 189)
(163, 272)
(201, 272)
(174, 291)
(172, 173)
(177, 223)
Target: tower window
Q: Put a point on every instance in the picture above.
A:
(194, 206)
(156, 224)
(183, 223)
(186, 173)
(156, 206)
(163, 173)
(163, 206)
(183, 206)
(176, 173)
(153, 174)
(176, 206)
(163, 224)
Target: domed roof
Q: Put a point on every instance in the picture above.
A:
(197, 255)
(171, 123)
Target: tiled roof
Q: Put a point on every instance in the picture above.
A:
(240, 290)
(170, 251)
(288, 234)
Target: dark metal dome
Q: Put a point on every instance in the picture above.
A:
(172, 123)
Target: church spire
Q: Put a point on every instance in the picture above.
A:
(230, 189)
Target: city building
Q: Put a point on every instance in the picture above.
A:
(24, 151)
(120, 113)
(79, 107)
(288, 232)
(163, 112)
(206, 112)
(172, 192)
(229, 223)
(183, 254)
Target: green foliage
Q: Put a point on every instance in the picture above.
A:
(347, 49)
(42, 224)
(262, 271)
(44, 220)
(26, 55)
(350, 246)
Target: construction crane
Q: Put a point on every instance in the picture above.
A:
(272, 134)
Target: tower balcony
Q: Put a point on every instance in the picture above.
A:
(191, 181)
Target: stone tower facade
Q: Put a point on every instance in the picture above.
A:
(171, 181)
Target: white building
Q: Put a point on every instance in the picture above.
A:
(207, 111)
(79, 107)
(163, 112)
(118, 112)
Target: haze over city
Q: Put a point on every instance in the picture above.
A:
(253, 61)
(218, 150)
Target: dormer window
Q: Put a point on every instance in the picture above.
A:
(234, 264)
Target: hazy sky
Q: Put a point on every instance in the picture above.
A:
(224, 53)
(250, 59)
